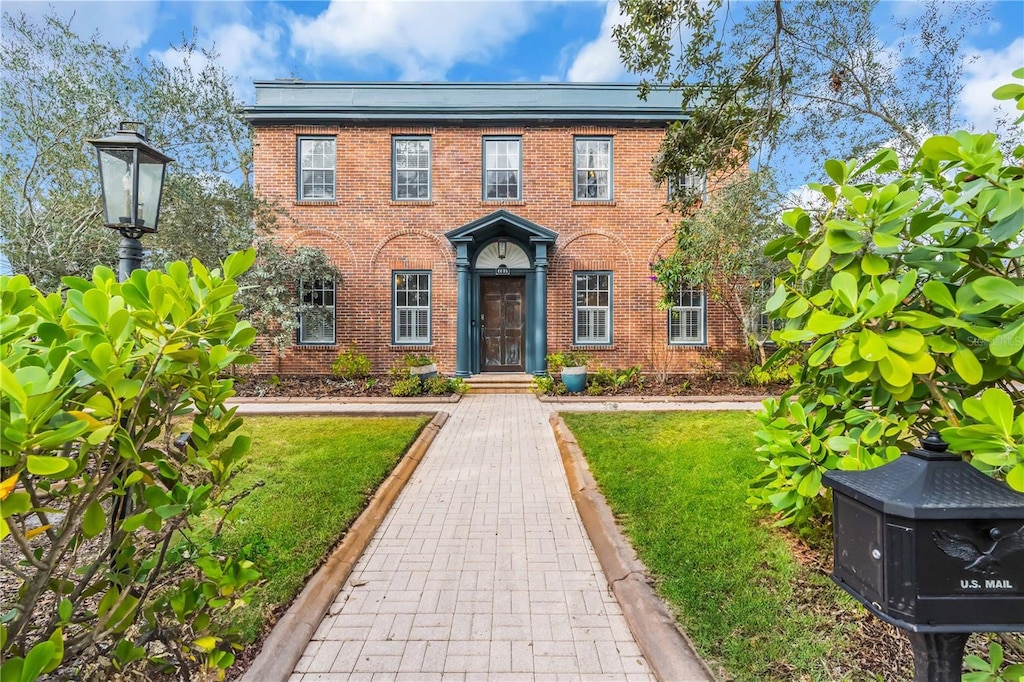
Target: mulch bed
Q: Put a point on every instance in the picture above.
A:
(379, 386)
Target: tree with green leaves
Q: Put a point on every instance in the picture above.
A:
(768, 75)
(60, 90)
(721, 250)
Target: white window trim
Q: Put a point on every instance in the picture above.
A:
(518, 169)
(394, 166)
(577, 309)
(690, 182)
(300, 168)
(610, 169)
(412, 340)
(701, 310)
(326, 337)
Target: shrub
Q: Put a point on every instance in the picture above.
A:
(777, 373)
(404, 388)
(437, 386)
(401, 368)
(572, 358)
(543, 385)
(98, 494)
(351, 364)
(900, 296)
(416, 360)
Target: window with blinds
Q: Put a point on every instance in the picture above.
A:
(592, 308)
(411, 308)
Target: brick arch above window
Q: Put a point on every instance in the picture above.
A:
(442, 245)
(324, 238)
(622, 250)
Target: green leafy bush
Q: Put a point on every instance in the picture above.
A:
(351, 364)
(777, 373)
(99, 497)
(404, 388)
(543, 385)
(570, 358)
(904, 311)
(437, 386)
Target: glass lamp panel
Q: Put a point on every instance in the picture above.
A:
(116, 178)
(151, 180)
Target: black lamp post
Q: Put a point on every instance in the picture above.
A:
(132, 177)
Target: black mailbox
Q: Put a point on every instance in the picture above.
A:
(930, 544)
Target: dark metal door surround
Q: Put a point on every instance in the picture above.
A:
(502, 321)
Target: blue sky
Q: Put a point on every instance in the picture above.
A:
(466, 40)
(426, 40)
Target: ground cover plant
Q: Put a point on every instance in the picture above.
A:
(310, 478)
(677, 484)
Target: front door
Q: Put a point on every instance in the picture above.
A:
(502, 319)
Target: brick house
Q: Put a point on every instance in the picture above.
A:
(486, 225)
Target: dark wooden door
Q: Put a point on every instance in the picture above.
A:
(502, 320)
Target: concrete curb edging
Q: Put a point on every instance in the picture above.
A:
(667, 649)
(680, 399)
(288, 639)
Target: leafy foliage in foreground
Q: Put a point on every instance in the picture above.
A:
(904, 308)
(98, 497)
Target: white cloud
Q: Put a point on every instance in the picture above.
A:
(244, 53)
(598, 60)
(992, 69)
(116, 23)
(422, 39)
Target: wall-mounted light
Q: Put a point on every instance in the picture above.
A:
(502, 249)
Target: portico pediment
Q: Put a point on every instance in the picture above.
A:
(501, 222)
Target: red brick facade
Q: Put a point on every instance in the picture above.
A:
(368, 235)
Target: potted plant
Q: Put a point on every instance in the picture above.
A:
(422, 367)
(572, 365)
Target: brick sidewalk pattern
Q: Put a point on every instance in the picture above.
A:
(482, 569)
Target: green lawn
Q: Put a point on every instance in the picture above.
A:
(318, 474)
(677, 483)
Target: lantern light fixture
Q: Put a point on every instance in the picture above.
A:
(132, 179)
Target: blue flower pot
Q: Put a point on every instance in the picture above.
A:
(575, 378)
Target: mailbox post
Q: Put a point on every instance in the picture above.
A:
(933, 546)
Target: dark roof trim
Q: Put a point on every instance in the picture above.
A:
(286, 101)
(534, 232)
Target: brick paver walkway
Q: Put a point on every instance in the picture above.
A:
(482, 569)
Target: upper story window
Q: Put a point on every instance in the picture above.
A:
(693, 185)
(687, 318)
(411, 313)
(502, 168)
(592, 308)
(317, 316)
(593, 165)
(316, 168)
(411, 172)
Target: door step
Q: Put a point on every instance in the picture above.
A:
(492, 382)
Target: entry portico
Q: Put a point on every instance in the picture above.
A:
(502, 261)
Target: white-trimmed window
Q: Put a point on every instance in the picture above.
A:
(687, 318)
(502, 168)
(317, 314)
(693, 185)
(592, 308)
(411, 313)
(593, 168)
(316, 168)
(411, 172)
